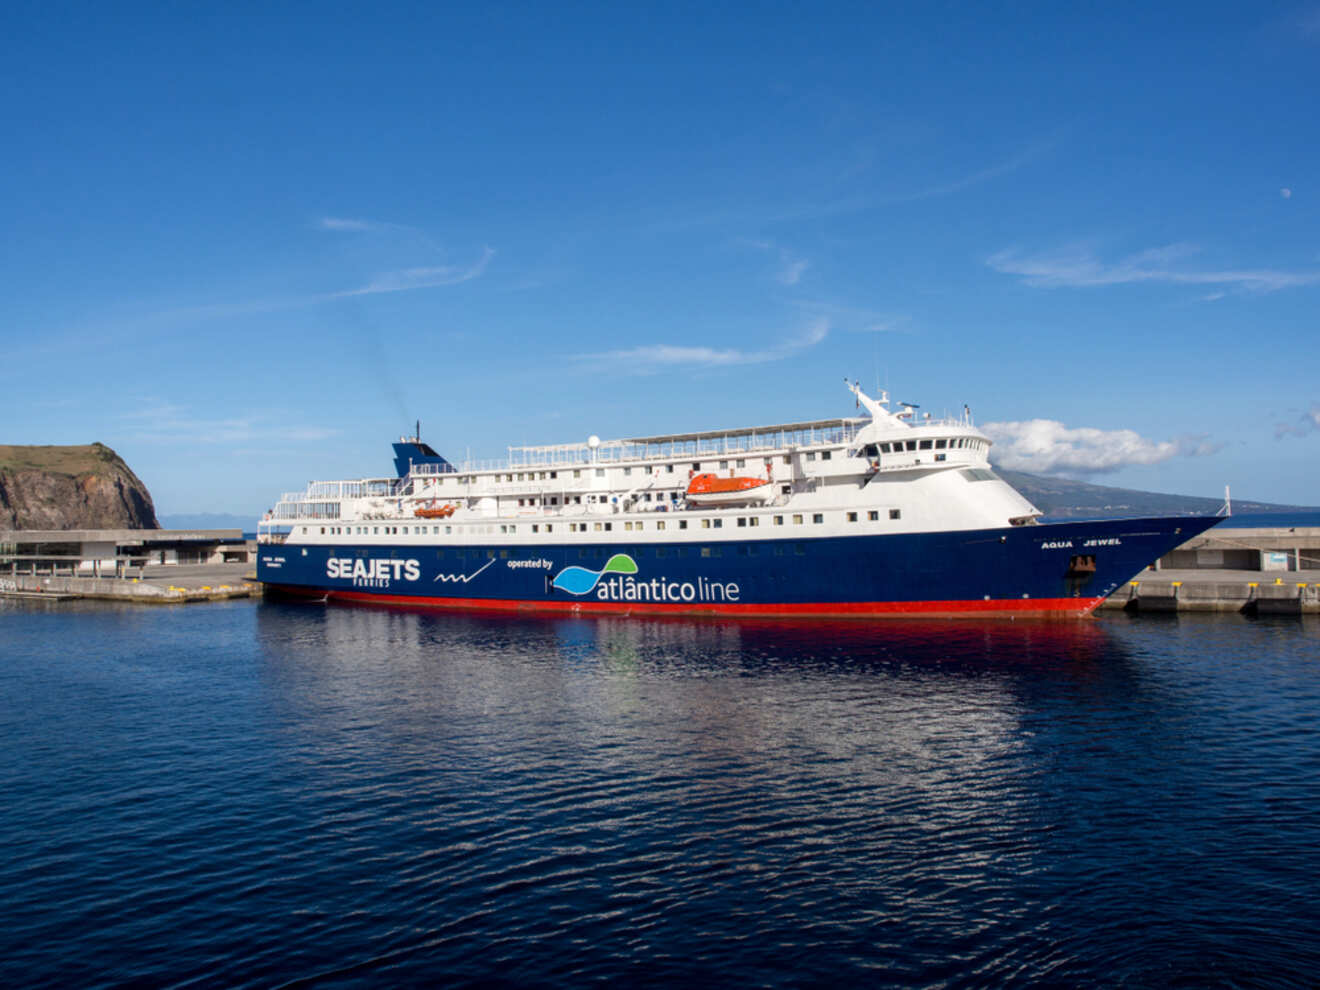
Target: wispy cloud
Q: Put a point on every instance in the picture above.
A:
(791, 265)
(1305, 424)
(710, 215)
(1078, 267)
(163, 422)
(1047, 446)
(791, 268)
(657, 357)
(346, 224)
(855, 319)
(422, 278)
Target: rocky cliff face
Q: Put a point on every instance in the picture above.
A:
(86, 487)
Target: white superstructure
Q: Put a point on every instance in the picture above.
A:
(883, 473)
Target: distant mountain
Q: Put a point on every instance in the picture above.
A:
(1060, 498)
(209, 520)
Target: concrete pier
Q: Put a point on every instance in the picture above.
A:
(1253, 592)
(161, 584)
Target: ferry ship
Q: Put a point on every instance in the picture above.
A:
(889, 513)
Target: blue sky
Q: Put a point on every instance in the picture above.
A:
(247, 248)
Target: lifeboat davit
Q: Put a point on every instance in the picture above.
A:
(711, 489)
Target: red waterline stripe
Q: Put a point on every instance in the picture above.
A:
(993, 608)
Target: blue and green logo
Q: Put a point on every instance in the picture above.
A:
(581, 580)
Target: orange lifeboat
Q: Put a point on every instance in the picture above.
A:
(711, 489)
(441, 512)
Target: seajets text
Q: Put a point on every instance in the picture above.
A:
(374, 573)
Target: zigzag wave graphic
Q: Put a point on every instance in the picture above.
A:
(463, 578)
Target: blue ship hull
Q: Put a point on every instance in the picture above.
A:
(1059, 569)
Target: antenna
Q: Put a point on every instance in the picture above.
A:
(418, 434)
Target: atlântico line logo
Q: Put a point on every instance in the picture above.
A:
(581, 581)
(625, 588)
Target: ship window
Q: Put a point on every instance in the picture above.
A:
(323, 531)
(754, 521)
(660, 524)
(669, 468)
(873, 515)
(788, 459)
(811, 455)
(596, 526)
(941, 457)
(374, 530)
(696, 466)
(536, 528)
(740, 463)
(779, 520)
(600, 472)
(448, 530)
(723, 465)
(549, 527)
(577, 474)
(786, 489)
(941, 444)
(818, 517)
(705, 524)
(627, 471)
(608, 527)
(895, 513)
(742, 520)
(924, 445)
(825, 455)
(912, 445)
(554, 474)
(797, 519)
(719, 523)
(682, 524)
(852, 517)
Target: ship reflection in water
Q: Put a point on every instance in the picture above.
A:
(911, 800)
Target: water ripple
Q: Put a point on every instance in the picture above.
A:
(270, 795)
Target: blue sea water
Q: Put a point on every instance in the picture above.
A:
(269, 795)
